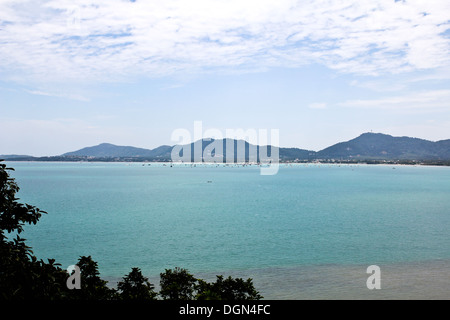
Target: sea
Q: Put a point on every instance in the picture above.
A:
(311, 231)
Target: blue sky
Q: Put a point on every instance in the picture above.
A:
(79, 73)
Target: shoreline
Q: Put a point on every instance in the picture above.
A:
(240, 164)
(429, 279)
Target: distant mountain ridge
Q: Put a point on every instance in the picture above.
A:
(110, 150)
(367, 146)
(379, 146)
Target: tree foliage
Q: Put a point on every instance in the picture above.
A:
(92, 286)
(177, 284)
(228, 289)
(14, 215)
(22, 275)
(135, 286)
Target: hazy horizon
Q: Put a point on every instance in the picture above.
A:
(171, 145)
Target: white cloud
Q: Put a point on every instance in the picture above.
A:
(380, 85)
(109, 40)
(432, 100)
(70, 96)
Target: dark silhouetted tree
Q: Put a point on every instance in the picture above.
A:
(92, 286)
(22, 275)
(177, 284)
(228, 289)
(135, 286)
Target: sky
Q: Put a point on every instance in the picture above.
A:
(79, 73)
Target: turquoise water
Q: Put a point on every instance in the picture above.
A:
(232, 220)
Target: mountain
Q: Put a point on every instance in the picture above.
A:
(246, 149)
(296, 153)
(161, 152)
(443, 147)
(107, 150)
(380, 146)
(368, 146)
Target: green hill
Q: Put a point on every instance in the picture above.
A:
(385, 147)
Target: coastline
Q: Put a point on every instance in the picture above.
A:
(421, 280)
(214, 164)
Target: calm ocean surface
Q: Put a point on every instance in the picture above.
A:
(308, 232)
